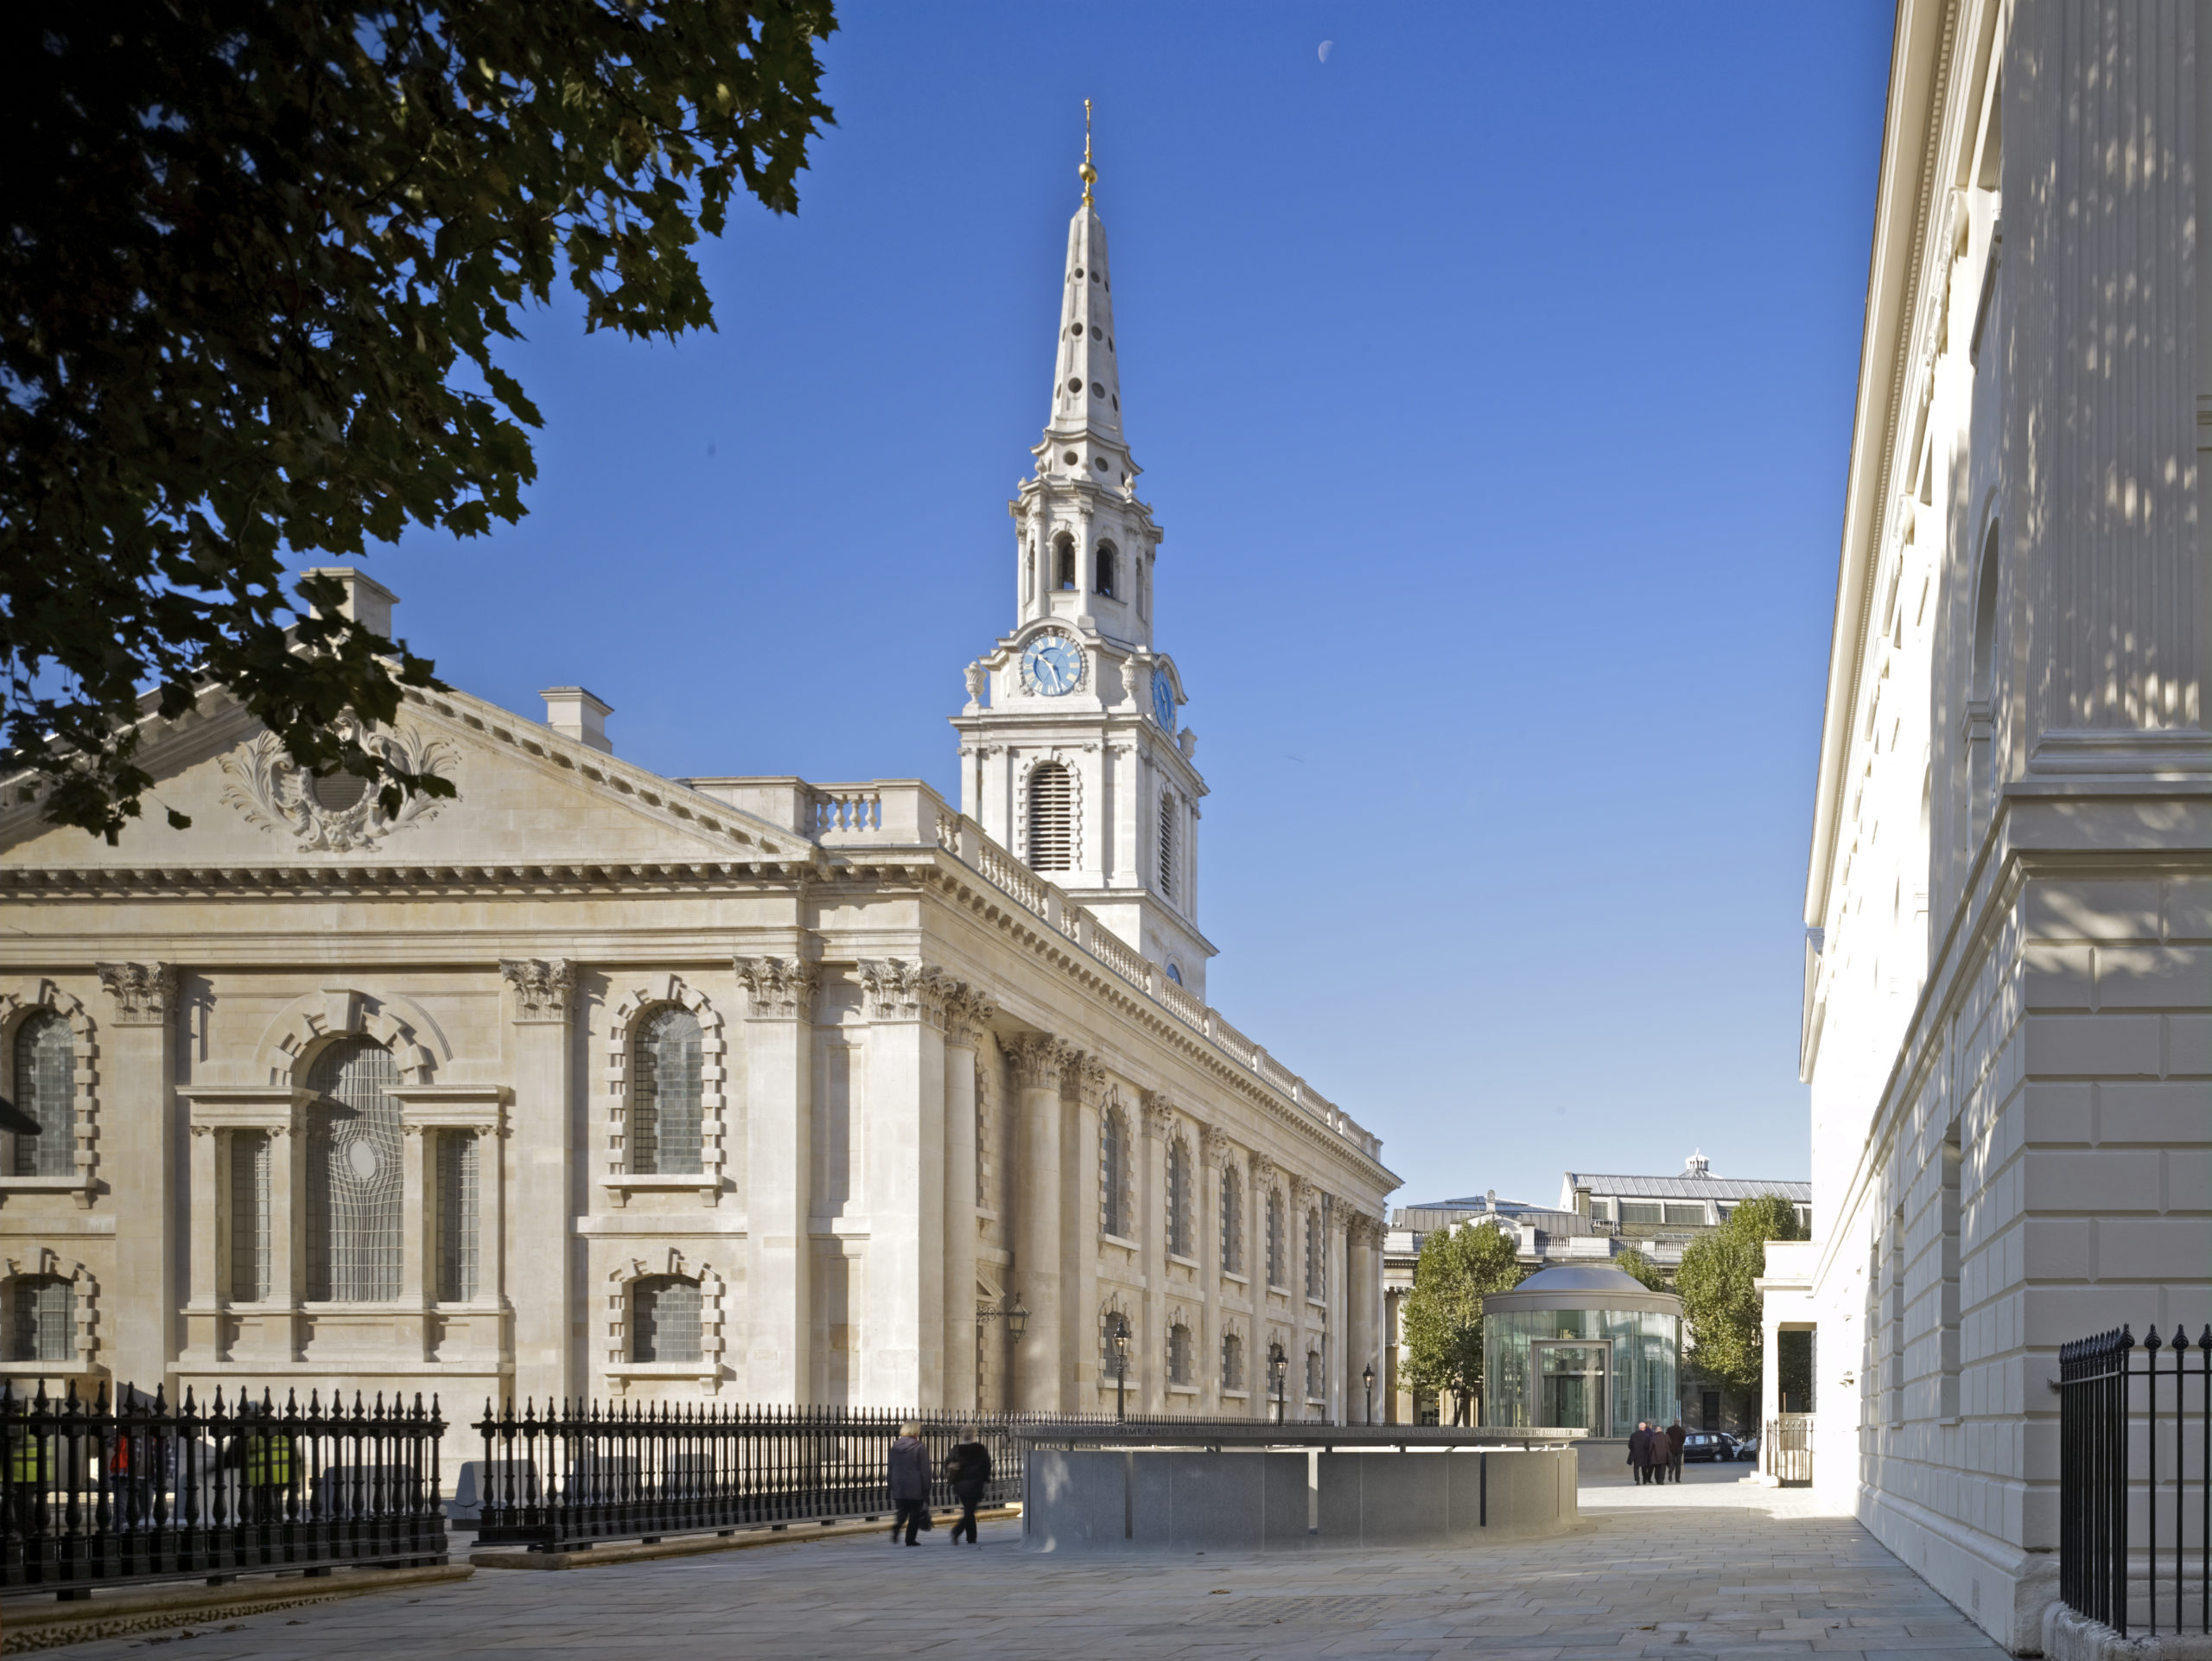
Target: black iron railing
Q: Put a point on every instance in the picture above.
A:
(554, 1478)
(2135, 1479)
(94, 1494)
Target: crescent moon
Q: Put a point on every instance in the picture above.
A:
(1327, 46)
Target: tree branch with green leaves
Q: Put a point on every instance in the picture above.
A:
(1720, 1305)
(1443, 1317)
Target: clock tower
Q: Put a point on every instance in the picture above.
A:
(1073, 750)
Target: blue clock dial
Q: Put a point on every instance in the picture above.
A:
(1052, 664)
(1163, 699)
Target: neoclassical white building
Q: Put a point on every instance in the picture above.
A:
(589, 1081)
(2008, 971)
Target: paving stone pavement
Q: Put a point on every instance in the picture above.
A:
(1715, 1568)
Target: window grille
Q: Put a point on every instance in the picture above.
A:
(1052, 818)
(46, 1319)
(249, 1152)
(1179, 1198)
(45, 1088)
(664, 1128)
(1232, 1222)
(664, 1314)
(1232, 1361)
(1106, 572)
(1692, 1216)
(1166, 844)
(1316, 1267)
(1275, 1276)
(1178, 1355)
(1637, 1212)
(1113, 1172)
(1314, 1380)
(354, 1195)
(458, 1152)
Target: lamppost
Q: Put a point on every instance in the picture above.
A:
(1278, 1364)
(1366, 1375)
(1120, 1365)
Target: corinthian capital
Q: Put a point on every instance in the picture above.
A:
(966, 1013)
(144, 993)
(1301, 1192)
(1087, 1073)
(1214, 1145)
(1263, 1170)
(1039, 1059)
(543, 986)
(898, 990)
(780, 988)
(1159, 1114)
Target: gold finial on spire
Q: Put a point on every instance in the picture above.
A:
(1090, 173)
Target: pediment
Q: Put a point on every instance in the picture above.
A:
(525, 795)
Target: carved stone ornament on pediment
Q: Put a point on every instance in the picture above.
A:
(779, 988)
(542, 987)
(898, 990)
(143, 993)
(339, 814)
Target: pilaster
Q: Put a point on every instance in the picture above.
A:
(1259, 1387)
(908, 1214)
(1213, 1153)
(144, 1166)
(1159, 1114)
(778, 1037)
(1302, 1311)
(549, 1355)
(967, 1014)
(1083, 1087)
(1034, 1194)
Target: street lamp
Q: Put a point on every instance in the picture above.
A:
(1278, 1364)
(1367, 1374)
(1120, 1365)
(1013, 1312)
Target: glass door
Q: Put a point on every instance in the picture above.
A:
(1571, 1386)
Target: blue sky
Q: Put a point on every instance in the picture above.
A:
(1493, 382)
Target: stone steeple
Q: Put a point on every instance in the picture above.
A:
(1083, 433)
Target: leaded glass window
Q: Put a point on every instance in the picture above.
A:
(1178, 1197)
(1114, 1173)
(1314, 1380)
(1178, 1355)
(45, 1088)
(249, 1152)
(458, 1154)
(1232, 1222)
(1316, 1267)
(45, 1319)
(354, 1195)
(664, 1133)
(1275, 1276)
(665, 1311)
(1232, 1361)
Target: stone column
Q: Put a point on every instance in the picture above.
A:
(1344, 1402)
(1158, 1126)
(1258, 1183)
(967, 1012)
(1083, 1089)
(1034, 1195)
(904, 1354)
(1213, 1149)
(548, 1349)
(1362, 1286)
(779, 1168)
(143, 1168)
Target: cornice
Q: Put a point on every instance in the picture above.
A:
(194, 882)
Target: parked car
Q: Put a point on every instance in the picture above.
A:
(1749, 1447)
(1708, 1445)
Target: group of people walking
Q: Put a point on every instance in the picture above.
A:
(967, 1467)
(1656, 1455)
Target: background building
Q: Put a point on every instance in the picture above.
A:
(2008, 912)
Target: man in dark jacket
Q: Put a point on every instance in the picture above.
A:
(1676, 1436)
(969, 1468)
(1639, 1451)
(910, 1482)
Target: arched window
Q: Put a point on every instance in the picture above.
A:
(1178, 1197)
(1052, 818)
(1113, 1324)
(1166, 844)
(1178, 1355)
(1063, 557)
(1114, 1173)
(1314, 1384)
(1275, 1276)
(1316, 1266)
(1105, 560)
(43, 1318)
(1232, 1222)
(45, 1088)
(1232, 1361)
(664, 1318)
(1175, 972)
(664, 1094)
(353, 1175)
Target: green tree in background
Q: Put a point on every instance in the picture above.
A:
(1719, 1302)
(1634, 1263)
(1443, 1322)
(255, 256)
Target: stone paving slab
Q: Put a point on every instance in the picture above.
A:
(1713, 1570)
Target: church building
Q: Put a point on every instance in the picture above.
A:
(591, 1082)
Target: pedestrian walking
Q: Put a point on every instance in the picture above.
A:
(1676, 1437)
(910, 1482)
(968, 1469)
(1639, 1451)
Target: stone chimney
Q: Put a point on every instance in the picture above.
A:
(573, 712)
(1581, 1202)
(367, 601)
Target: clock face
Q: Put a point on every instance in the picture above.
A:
(1052, 665)
(1163, 700)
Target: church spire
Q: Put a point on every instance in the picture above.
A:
(1083, 436)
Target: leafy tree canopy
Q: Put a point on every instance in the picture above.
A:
(1443, 1321)
(1632, 1262)
(255, 258)
(1719, 1301)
